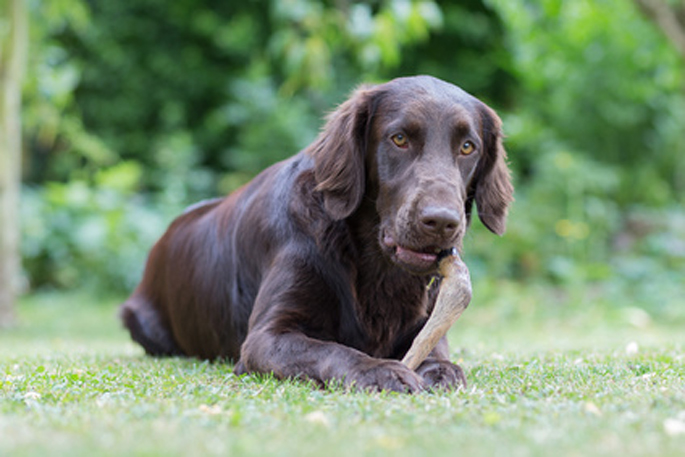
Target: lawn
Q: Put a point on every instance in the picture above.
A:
(549, 373)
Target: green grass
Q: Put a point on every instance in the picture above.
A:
(549, 374)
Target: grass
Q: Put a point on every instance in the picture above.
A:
(549, 374)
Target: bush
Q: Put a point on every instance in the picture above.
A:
(78, 234)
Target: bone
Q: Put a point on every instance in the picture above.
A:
(453, 298)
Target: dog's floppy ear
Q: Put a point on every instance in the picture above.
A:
(492, 188)
(339, 154)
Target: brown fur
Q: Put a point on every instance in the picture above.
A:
(319, 268)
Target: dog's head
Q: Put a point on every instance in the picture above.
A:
(424, 151)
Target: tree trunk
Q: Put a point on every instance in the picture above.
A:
(13, 45)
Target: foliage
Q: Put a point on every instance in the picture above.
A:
(79, 235)
(132, 75)
(596, 139)
(611, 93)
(468, 50)
(186, 102)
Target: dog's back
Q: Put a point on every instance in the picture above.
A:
(202, 276)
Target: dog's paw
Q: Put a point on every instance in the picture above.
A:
(441, 374)
(385, 375)
(239, 368)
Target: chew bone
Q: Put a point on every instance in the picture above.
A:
(453, 298)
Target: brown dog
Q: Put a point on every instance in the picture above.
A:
(320, 267)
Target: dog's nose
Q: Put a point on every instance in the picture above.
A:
(437, 221)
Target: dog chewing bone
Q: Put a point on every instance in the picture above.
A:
(453, 298)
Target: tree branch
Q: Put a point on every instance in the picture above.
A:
(670, 18)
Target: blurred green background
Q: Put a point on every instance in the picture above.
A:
(134, 109)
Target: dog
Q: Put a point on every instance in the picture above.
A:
(322, 267)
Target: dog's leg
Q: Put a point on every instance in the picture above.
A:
(147, 329)
(294, 355)
(280, 341)
(438, 372)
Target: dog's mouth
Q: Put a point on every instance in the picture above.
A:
(421, 260)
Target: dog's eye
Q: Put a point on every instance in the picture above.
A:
(467, 148)
(400, 140)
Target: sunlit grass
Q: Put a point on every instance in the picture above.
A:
(541, 383)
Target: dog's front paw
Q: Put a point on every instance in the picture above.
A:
(385, 375)
(441, 374)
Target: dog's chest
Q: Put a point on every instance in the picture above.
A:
(387, 309)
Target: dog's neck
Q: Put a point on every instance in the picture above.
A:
(389, 299)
